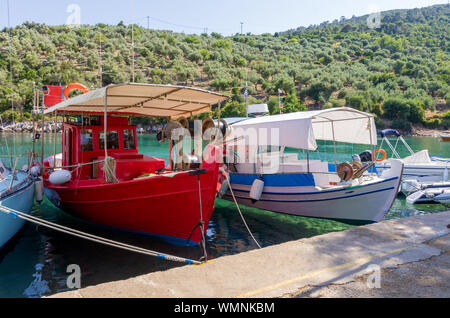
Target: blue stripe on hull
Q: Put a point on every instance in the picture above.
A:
(275, 180)
(316, 200)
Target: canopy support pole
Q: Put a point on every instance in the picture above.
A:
(171, 165)
(42, 142)
(334, 145)
(105, 125)
(109, 165)
(54, 140)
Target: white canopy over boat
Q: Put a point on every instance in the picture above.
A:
(137, 99)
(302, 129)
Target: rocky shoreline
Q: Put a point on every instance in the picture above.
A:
(424, 132)
(27, 126)
(49, 127)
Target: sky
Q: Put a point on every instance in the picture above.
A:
(197, 16)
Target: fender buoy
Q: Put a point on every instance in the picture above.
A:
(223, 189)
(39, 190)
(384, 155)
(73, 86)
(60, 177)
(256, 190)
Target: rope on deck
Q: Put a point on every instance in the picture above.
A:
(94, 238)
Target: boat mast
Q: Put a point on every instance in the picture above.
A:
(11, 83)
(132, 45)
(246, 74)
(132, 50)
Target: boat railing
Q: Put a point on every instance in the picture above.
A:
(385, 133)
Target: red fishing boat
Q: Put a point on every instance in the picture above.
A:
(108, 182)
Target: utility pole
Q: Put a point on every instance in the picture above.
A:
(280, 102)
(100, 70)
(132, 48)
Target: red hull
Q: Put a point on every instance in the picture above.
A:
(162, 206)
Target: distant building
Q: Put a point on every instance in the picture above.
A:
(257, 110)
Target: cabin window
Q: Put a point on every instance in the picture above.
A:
(86, 140)
(112, 140)
(128, 139)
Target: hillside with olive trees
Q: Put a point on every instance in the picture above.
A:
(400, 71)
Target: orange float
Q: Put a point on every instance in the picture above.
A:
(384, 155)
(73, 86)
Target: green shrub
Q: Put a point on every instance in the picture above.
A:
(433, 123)
(396, 108)
(401, 124)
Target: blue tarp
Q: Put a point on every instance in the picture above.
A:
(275, 180)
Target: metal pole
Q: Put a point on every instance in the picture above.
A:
(42, 141)
(334, 144)
(202, 224)
(100, 84)
(132, 47)
(279, 100)
(54, 142)
(105, 121)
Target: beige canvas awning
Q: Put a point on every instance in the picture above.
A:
(302, 129)
(136, 99)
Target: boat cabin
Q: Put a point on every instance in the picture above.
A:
(83, 144)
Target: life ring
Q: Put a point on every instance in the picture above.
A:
(73, 86)
(384, 155)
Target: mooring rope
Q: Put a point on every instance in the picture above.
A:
(75, 166)
(94, 238)
(240, 212)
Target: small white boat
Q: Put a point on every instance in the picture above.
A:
(19, 196)
(408, 187)
(418, 165)
(444, 197)
(281, 182)
(426, 196)
(445, 137)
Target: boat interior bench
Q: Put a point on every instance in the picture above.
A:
(132, 165)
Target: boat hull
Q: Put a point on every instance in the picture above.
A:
(356, 205)
(163, 206)
(21, 200)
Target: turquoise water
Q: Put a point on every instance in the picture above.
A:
(34, 263)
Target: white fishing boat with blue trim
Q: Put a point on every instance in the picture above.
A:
(291, 183)
(17, 195)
